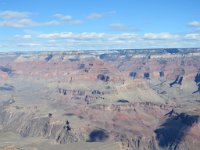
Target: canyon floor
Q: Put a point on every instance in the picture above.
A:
(93, 100)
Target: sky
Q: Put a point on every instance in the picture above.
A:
(59, 25)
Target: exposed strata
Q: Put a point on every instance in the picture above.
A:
(131, 97)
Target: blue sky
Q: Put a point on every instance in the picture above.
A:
(51, 25)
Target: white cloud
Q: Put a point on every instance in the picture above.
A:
(17, 19)
(195, 24)
(121, 27)
(76, 22)
(77, 36)
(28, 44)
(95, 15)
(49, 23)
(160, 36)
(52, 41)
(63, 17)
(117, 25)
(192, 36)
(94, 40)
(89, 36)
(57, 35)
(89, 40)
(124, 37)
(21, 23)
(13, 14)
(26, 36)
(26, 23)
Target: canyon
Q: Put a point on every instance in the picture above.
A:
(146, 99)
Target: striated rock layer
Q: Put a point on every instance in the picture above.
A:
(136, 99)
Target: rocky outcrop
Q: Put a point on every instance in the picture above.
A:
(26, 124)
(103, 77)
(9, 148)
(49, 57)
(6, 87)
(66, 136)
(197, 81)
(7, 69)
(137, 143)
(174, 129)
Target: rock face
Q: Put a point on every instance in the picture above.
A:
(169, 134)
(7, 87)
(142, 100)
(174, 129)
(66, 136)
(28, 125)
(6, 69)
(197, 81)
(138, 143)
(9, 148)
(103, 77)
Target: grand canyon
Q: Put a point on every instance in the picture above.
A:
(126, 99)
